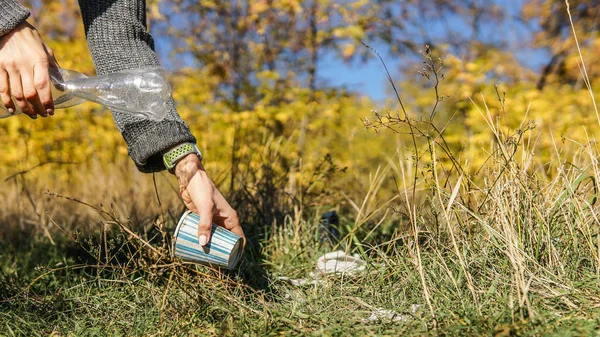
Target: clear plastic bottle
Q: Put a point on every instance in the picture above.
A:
(143, 91)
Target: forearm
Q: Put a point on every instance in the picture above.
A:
(12, 13)
(118, 39)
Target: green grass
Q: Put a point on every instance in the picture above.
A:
(81, 289)
(505, 253)
(512, 249)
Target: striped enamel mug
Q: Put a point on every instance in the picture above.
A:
(224, 248)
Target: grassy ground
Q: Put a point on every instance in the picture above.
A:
(510, 249)
(60, 290)
(525, 263)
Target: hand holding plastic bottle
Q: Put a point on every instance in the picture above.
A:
(24, 63)
(27, 67)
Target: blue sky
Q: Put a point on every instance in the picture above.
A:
(367, 78)
(370, 79)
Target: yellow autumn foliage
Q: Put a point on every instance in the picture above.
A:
(488, 90)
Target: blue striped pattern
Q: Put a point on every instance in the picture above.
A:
(224, 248)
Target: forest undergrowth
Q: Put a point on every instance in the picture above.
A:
(461, 236)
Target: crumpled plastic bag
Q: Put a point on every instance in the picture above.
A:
(337, 262)
(381, 314)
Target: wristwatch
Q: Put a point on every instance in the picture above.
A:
(171, 157)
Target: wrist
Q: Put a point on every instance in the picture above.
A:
(176, 154)
(188, 164)
(188, 167)
(22, 26)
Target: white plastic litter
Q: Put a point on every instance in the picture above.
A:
(337, 262)
(299, 282)
(381, 314)
(340, 262)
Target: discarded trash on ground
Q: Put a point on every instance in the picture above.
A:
(337, 262)
(381, 314)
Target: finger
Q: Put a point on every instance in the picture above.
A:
(31, 94)
(200, 191)
(52, 63)
(231, 222)
(239, 232)
(41, 80)
(53, 66)
(227, 216)
(16, 90)
(187, 201)
(5, 92)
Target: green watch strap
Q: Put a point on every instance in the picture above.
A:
(171, 157)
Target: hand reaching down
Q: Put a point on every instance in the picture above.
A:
(202, 197)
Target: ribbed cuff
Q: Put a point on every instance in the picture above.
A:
(12, 13)
(147, 146)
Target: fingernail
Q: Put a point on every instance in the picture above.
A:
(202, 240)
(11, 110)
(50, 112)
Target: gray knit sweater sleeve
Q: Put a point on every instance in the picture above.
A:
(118, 39)
(12, 13)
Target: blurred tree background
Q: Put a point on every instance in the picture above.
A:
(248, 78)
